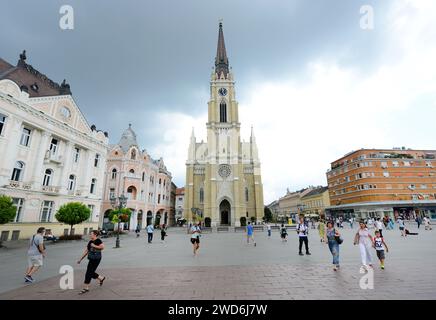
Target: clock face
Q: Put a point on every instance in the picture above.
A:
(222, 91)
(224, 170)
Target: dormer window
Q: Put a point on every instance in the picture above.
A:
(34, 87)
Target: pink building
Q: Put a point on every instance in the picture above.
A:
(144, 181)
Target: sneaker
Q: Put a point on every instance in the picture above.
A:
(308, 254)
(28, 279)
(255, 244)
(382, 267)
(301, 254)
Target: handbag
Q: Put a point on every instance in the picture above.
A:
(339, 239)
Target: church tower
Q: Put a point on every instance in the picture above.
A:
(223, 180)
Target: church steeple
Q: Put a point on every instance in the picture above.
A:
(221, 60)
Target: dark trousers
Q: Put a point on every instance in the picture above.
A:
(150, 237)
(162, 235)
(90, 270)
(306, 244)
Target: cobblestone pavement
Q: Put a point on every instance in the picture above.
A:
(227, 268)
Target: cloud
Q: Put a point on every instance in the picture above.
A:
(303, 124)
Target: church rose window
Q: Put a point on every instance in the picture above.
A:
(224, 170)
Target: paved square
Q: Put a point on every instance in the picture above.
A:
(227, 268)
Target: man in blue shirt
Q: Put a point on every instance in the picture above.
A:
(250, 234)
(150, 230)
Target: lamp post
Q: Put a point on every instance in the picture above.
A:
(118, 204)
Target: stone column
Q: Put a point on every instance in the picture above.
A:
(12, 133)
(67, 157)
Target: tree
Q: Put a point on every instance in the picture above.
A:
(120, 215)
(73, 213)
(7, 211)
(243, 221)
(268, 217)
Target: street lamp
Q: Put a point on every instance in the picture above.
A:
(118, 203)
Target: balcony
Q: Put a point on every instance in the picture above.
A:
(20, 185)
(53, 157)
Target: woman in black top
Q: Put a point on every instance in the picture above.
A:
(93, 252)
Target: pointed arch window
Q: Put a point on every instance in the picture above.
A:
(133, 154)
(201, 195)
(114, 173)
(223, 112)
(246, 194)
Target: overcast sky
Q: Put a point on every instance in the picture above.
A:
(311, 81)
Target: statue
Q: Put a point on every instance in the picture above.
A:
(23, 56)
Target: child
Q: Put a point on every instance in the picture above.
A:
(379, 242)
(283, 233)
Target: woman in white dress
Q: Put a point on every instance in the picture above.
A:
(364, 239)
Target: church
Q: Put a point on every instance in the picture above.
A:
(223, 179)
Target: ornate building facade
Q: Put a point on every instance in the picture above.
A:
(49, 154)
(146, 183)
(223, 178)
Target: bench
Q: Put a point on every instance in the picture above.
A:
(239, 229)
(222, 229)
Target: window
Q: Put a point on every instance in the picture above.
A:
(201, 195)
(111, 193)
(160, 181)
(114, 173)
(406, 163)
(158, 198)
(46, 211)
(384, 164)
(25, 137)
(132, 171)
(386, 174)
(91, 214)
(93, 183)
(164, 182)
(96, 160)
(143, 176)
(223, 112)
(17, 173)
(428, 164)
(2, 122)
(246, 194)
(19, 203)
(71, 182)
(423, 186)
(76, 154)
(53, 146)
(133, 154)
(411, 186)
(395, 163)
(47, 177)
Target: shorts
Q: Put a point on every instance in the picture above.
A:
(381, 254)
(195, 240)
(283, 235)
(401, 228)
(35, 261)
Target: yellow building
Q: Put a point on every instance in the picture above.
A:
(316, 201)
(223, 180)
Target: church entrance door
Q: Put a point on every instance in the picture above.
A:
(225, 212)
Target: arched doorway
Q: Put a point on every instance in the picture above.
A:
(107, 224)
(157, 219)
(149, 217)
(166, 218)
(139, 219)
(225, 212)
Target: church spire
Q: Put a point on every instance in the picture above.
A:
(221, 61)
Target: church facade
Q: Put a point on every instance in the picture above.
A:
(223, 176)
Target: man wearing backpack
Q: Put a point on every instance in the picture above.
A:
(35, 254)
(302, 231)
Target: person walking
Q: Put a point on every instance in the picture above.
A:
(302, 231)
(150, 230)
(333, 239)
(35, 254)
(283, 233)
(321, 230)
(351, 222)
(138, 230)
(418, 220)
(364, 239)
(93, 252)
(163, 232)
(427, 225)
(195, 237)
(401, 226)
(379, 243)
(379, 226)
(268, 229)
(250, 233)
